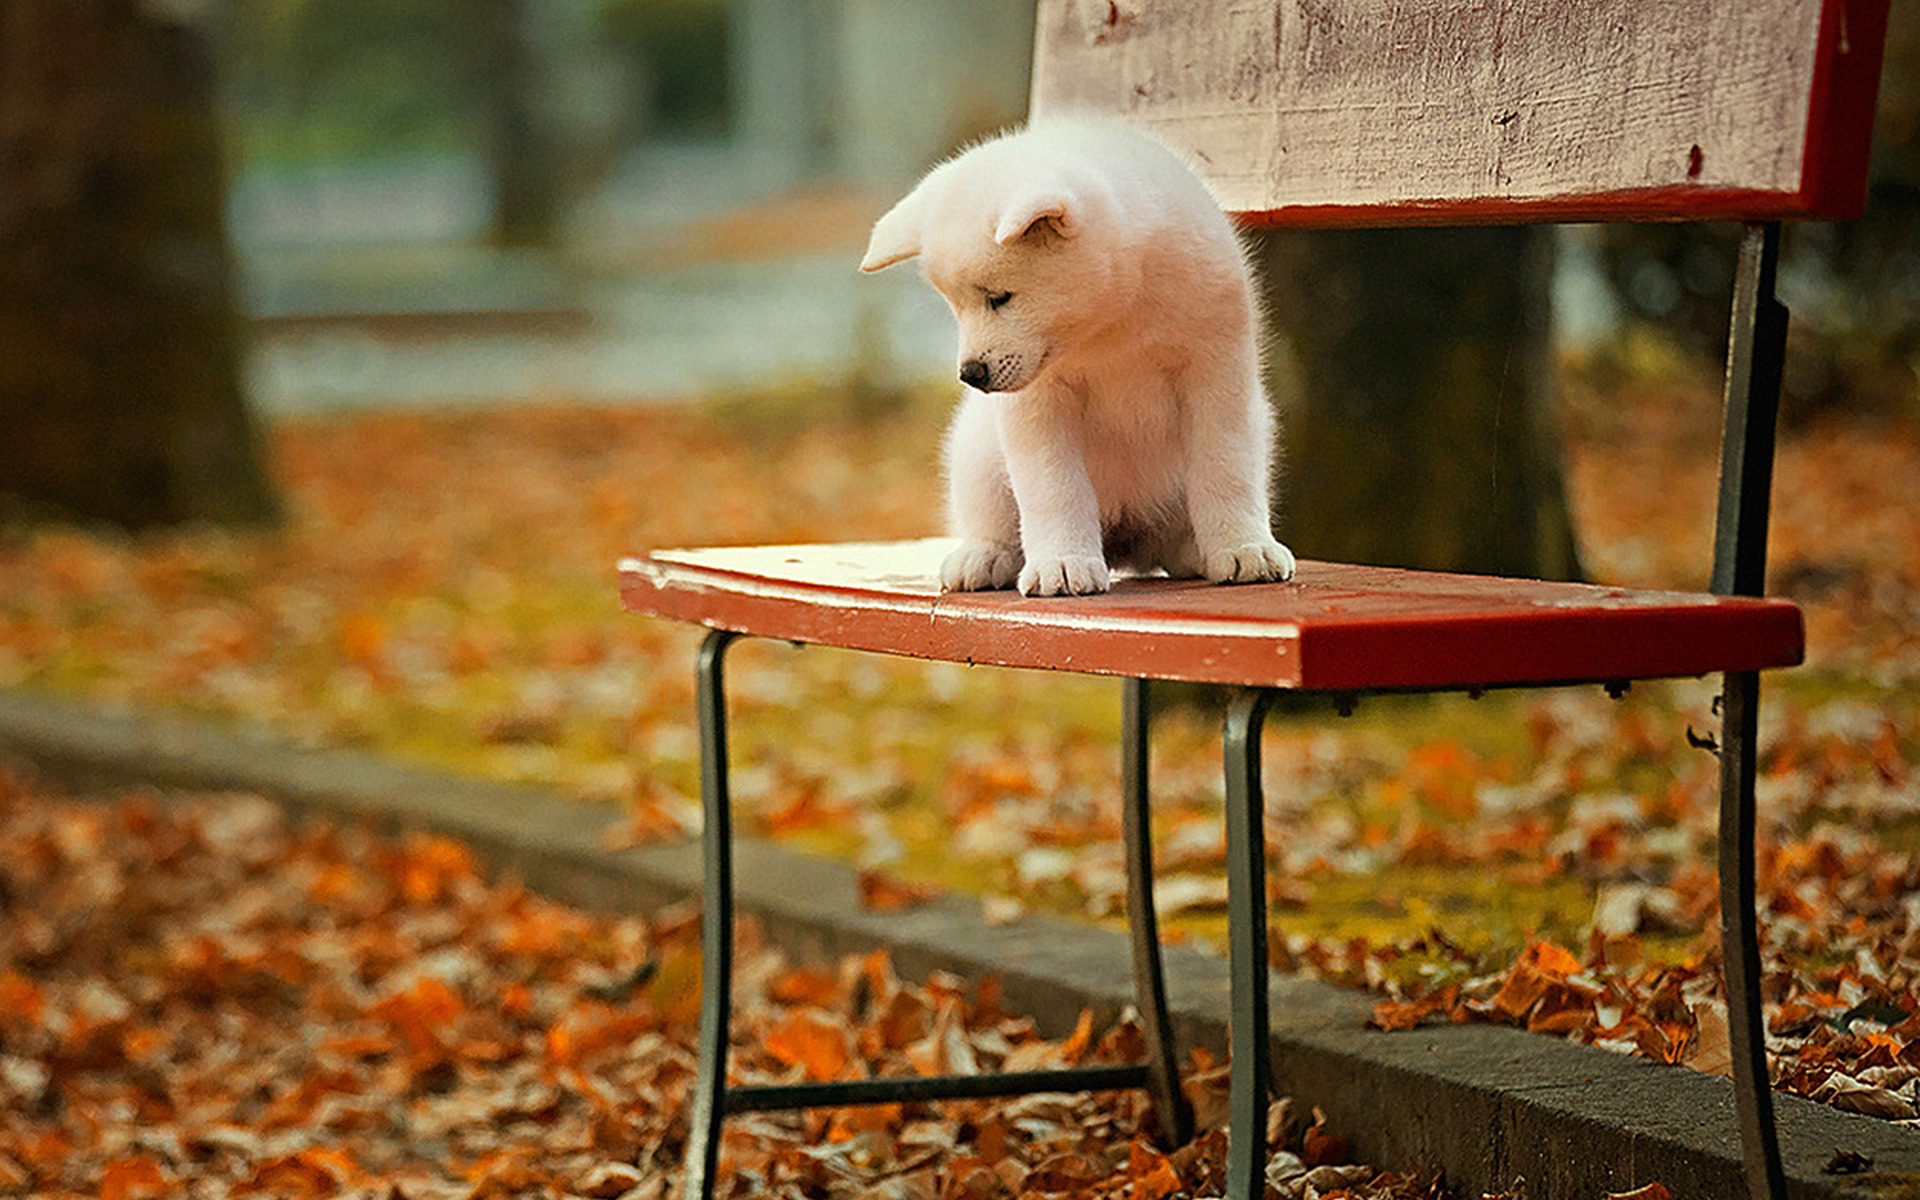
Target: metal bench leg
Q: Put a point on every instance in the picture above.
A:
(1756, 352)
(1740, 940)
(1250, 1074)
(1170, 1110)
(712, 1099)
(716, 922)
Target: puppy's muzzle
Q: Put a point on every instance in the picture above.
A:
(975, 374)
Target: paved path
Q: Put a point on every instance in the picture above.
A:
(518, 334)
(370, 288)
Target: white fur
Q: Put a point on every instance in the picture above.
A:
(1118, 416)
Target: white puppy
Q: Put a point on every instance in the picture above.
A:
(1109, 341)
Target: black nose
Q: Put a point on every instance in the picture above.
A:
(973, 373)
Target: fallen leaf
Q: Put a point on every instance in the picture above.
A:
(883, 892)
(813, 1043)
(21, 1000)
(1712, 1050)
(1652, 1191)
(605, 1181)
(1320, 1146)
(1850, 1095)
(1847, 1162)
(134, 1177)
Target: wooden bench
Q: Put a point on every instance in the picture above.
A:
(1385, 112)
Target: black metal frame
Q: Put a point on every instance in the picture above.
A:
(1755, 354)
(714, 1099)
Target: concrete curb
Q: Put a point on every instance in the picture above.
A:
(1483, 1104)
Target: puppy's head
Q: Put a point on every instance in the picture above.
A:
(1012, 242)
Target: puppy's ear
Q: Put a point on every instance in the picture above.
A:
(896, 236)
(1040, 206)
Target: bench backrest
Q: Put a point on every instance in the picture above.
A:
(1378, 112)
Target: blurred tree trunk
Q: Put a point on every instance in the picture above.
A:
(1413, 374)
(1854, 341)
(523, 157)
(119, 349)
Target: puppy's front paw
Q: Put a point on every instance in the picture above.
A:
(1064, 576)
(976, 565)
(1255, 562)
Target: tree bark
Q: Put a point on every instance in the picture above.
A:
(526, 164)
(120, 397)
(1413, 373)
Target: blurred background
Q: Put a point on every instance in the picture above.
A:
(435, 203)
(439, 202)
(600, 200)
(423, 203)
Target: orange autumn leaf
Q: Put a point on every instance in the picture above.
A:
(312, 1173)
(876, 970)
(1521, 990)
(803, 810)
(1552, 958)
(1068, 1172)
(1392, 1015)
(133, 1177)
(477, 647)
(1151, 1173)
(1562, 1009)
(336, 882)
(1007, 776)
(1320, 1146)
(1665, 1041)
(20, 998)
(1879, 1050)
(421, 1015)
(805, 985)
(871, 1119)
(813, 1043)
(358, 1045)
(1445, 777)
(143, 1042)
(902, 1022)
(589, 1029)
(884, 892)
(295, 1107)
(506, 1175)
(516, 1001)
(362, 637)
(1075, 1047)
(428, 865)
(1537, 992)
(1396, 1015)
(536, 933)
(1424, 844)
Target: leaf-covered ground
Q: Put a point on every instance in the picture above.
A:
(444, 590)
(197, 999)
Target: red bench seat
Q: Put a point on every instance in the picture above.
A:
(1336, 627)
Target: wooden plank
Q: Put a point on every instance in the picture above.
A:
(1355, 112)
(1336, 627)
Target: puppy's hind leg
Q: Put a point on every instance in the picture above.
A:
(980, 507)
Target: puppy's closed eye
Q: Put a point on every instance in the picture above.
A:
(998, 300)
